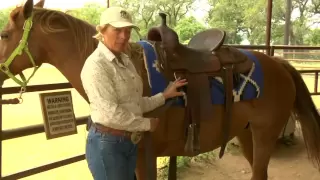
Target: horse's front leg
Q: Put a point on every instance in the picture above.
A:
(141, 169)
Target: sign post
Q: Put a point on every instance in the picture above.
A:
(58, 114)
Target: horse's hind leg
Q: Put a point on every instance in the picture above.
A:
(245, 140)
(265, 131)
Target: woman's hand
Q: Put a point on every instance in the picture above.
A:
(171, 90)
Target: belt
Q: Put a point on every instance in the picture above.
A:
(104, 129)
(134, 137)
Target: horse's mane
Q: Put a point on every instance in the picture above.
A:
(81, 31)
(53, 21)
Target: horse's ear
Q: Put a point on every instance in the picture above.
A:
(27, 9)
(40, 4)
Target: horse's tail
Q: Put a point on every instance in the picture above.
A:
(306, 113)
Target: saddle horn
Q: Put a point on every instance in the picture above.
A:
(163, 19)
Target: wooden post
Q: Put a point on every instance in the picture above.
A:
(268, 26)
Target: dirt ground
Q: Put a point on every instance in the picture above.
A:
(287, 163)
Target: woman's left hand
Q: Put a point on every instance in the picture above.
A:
(171, 90)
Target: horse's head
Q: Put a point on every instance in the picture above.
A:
(168, 47)
(18, 43)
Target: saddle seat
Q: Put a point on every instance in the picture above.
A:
(208, 40)
(201, 61)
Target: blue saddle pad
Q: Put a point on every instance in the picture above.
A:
(250, 86)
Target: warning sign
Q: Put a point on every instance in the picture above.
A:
(58, 114)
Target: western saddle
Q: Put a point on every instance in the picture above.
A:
(205, 57)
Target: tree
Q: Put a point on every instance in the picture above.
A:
(146, 12)
(245, 19)
(228, 16)
(4, 17)
(90, 13)
(176, 10)
(313, 38)
(188, 27)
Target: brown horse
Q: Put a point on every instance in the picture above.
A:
(65, 42)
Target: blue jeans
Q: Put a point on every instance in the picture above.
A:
(110, 157)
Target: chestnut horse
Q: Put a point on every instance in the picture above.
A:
(35, 35)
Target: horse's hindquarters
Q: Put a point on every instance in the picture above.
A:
(172, 131)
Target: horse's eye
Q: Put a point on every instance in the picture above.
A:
(4, 36)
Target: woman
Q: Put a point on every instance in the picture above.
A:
(114, 90)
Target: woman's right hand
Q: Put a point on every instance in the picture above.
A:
(172, 89)
(154, 124)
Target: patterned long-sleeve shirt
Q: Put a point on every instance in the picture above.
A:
(115, 92)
